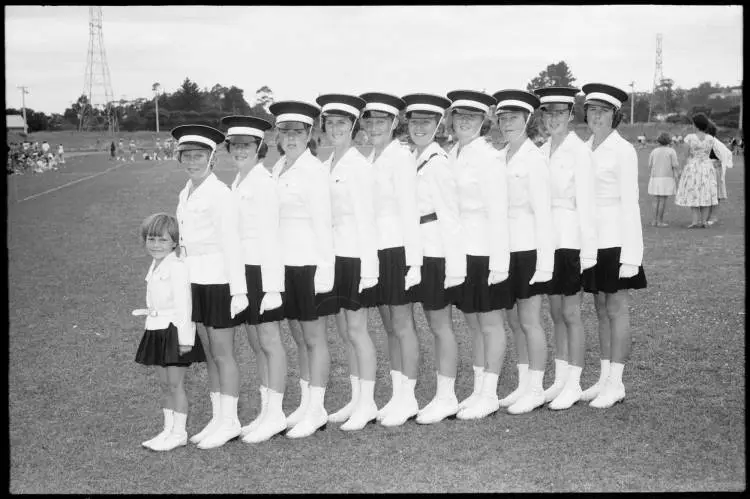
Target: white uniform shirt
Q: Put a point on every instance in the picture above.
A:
(396, 212)
(529, 204)
(306, 234)
(168, 291)
(209, 232)
(355, 235)
(45, 147)
(437, 193)
(258, 204)
(618, 216)
(571, 173)
(483, 201)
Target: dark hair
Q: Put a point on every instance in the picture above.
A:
(701, 121)
(617, 115)
(311, 144)
(711, 130)
(261, 152)
(335, 112)
(664, 139)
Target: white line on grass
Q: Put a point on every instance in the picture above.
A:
(71, 183)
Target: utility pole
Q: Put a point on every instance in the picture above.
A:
(632, 100)
(155, 88)
(25, 90)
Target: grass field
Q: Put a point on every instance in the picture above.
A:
(79, 406)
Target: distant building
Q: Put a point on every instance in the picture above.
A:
(733, 92)
(14, 123)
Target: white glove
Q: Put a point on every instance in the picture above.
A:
(627, 270)
(367, 283)
(452, 281)
(413, 277)
(496, 277)
(323, 279)
(140, 312)
(271, 301)
(587, 263)
(238, 304)
(541, 276)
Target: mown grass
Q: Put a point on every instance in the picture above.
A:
(79, 406)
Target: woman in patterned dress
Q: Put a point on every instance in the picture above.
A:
(697, 187)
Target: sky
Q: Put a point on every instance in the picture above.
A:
(301, 52)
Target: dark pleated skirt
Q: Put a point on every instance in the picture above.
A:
(566, 278)
(521, 270)
(476, 295)
(348, 275)
(160, 347)
(430, 291)
(211, 306)
(392, 279)
(604, 277)
(255, 294)
(300, 301)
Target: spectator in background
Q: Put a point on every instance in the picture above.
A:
(60, 154)
(664, 167)
(45, 147)
(721, 157)
(112, 150)
(697, 186)
(120, 151)
(133, 150)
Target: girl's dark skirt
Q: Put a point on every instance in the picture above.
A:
(604, 277)
(211, 306)
(255, 294)
(346, 287)
(392, 279)
(300, 301)
(476, 295)
(566, 277)
(430, 291)
(160, 347)
(521, 270)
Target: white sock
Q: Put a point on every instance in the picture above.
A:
(523, 373)
(274, 400)
(215, 404)
(489, 384)
(535, 380)
(561, 370)
(478, 374)
(366, 391)
(605, 370)
(355, 382)
(168, 419)
(229, 406)
(574, 375)
(180, 418)
(317, 396)
(615, 372)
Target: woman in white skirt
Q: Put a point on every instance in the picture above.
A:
(532, 243)
(571, 174)
(721, 157)
(399, 250)
(255, 194)
(619, 238)
(483, 207)
(664, 168)
(352, 185)
(213, 253)
(307, 252)
(443, 260)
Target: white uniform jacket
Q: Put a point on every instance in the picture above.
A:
(209, 233)
(483, 201)
(571, 173)
(168, 292)
(618, 216)
(355, 235)
(258, 204)
(306, 233)
(437, 194)
(529, 204)
(396, 212)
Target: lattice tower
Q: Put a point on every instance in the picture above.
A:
(658, 76)
(97, 87)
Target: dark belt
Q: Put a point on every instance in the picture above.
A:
(430, 217)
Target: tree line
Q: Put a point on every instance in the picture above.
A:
(191, 104)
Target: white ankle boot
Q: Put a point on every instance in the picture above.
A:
(229, 425)
(523, 377)
(177, 437)
(478, 374)
(273, 422)
(561, 374)
(366, 411)
(443, 405)
(345, 412)
(396, 383)
(168, 421)
(211, 426)
(486, 403)
(405, 407)
(255, 422)
(296, 416)
(315, 417)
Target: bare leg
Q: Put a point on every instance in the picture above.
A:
(222, 350)
(394, 348)
(403, 327)
(304, 362)
(446, 348)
